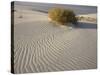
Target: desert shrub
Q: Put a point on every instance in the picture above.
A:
(62, 16)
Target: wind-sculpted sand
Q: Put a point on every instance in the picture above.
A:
(40, 46)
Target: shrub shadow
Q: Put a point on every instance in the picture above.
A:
(84, 25)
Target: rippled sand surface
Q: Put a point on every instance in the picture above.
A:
(40, 46)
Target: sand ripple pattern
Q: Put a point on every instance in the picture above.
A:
(42, 47)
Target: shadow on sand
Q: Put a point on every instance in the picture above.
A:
(84, 25)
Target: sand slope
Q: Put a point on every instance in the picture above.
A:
(40, 46)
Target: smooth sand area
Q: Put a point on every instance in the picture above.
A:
(40, 46)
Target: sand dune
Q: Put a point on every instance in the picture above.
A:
(40, 46)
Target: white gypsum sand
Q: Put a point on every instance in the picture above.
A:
(40, 46)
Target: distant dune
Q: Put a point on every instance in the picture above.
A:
(78, 9)
(40, 46)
